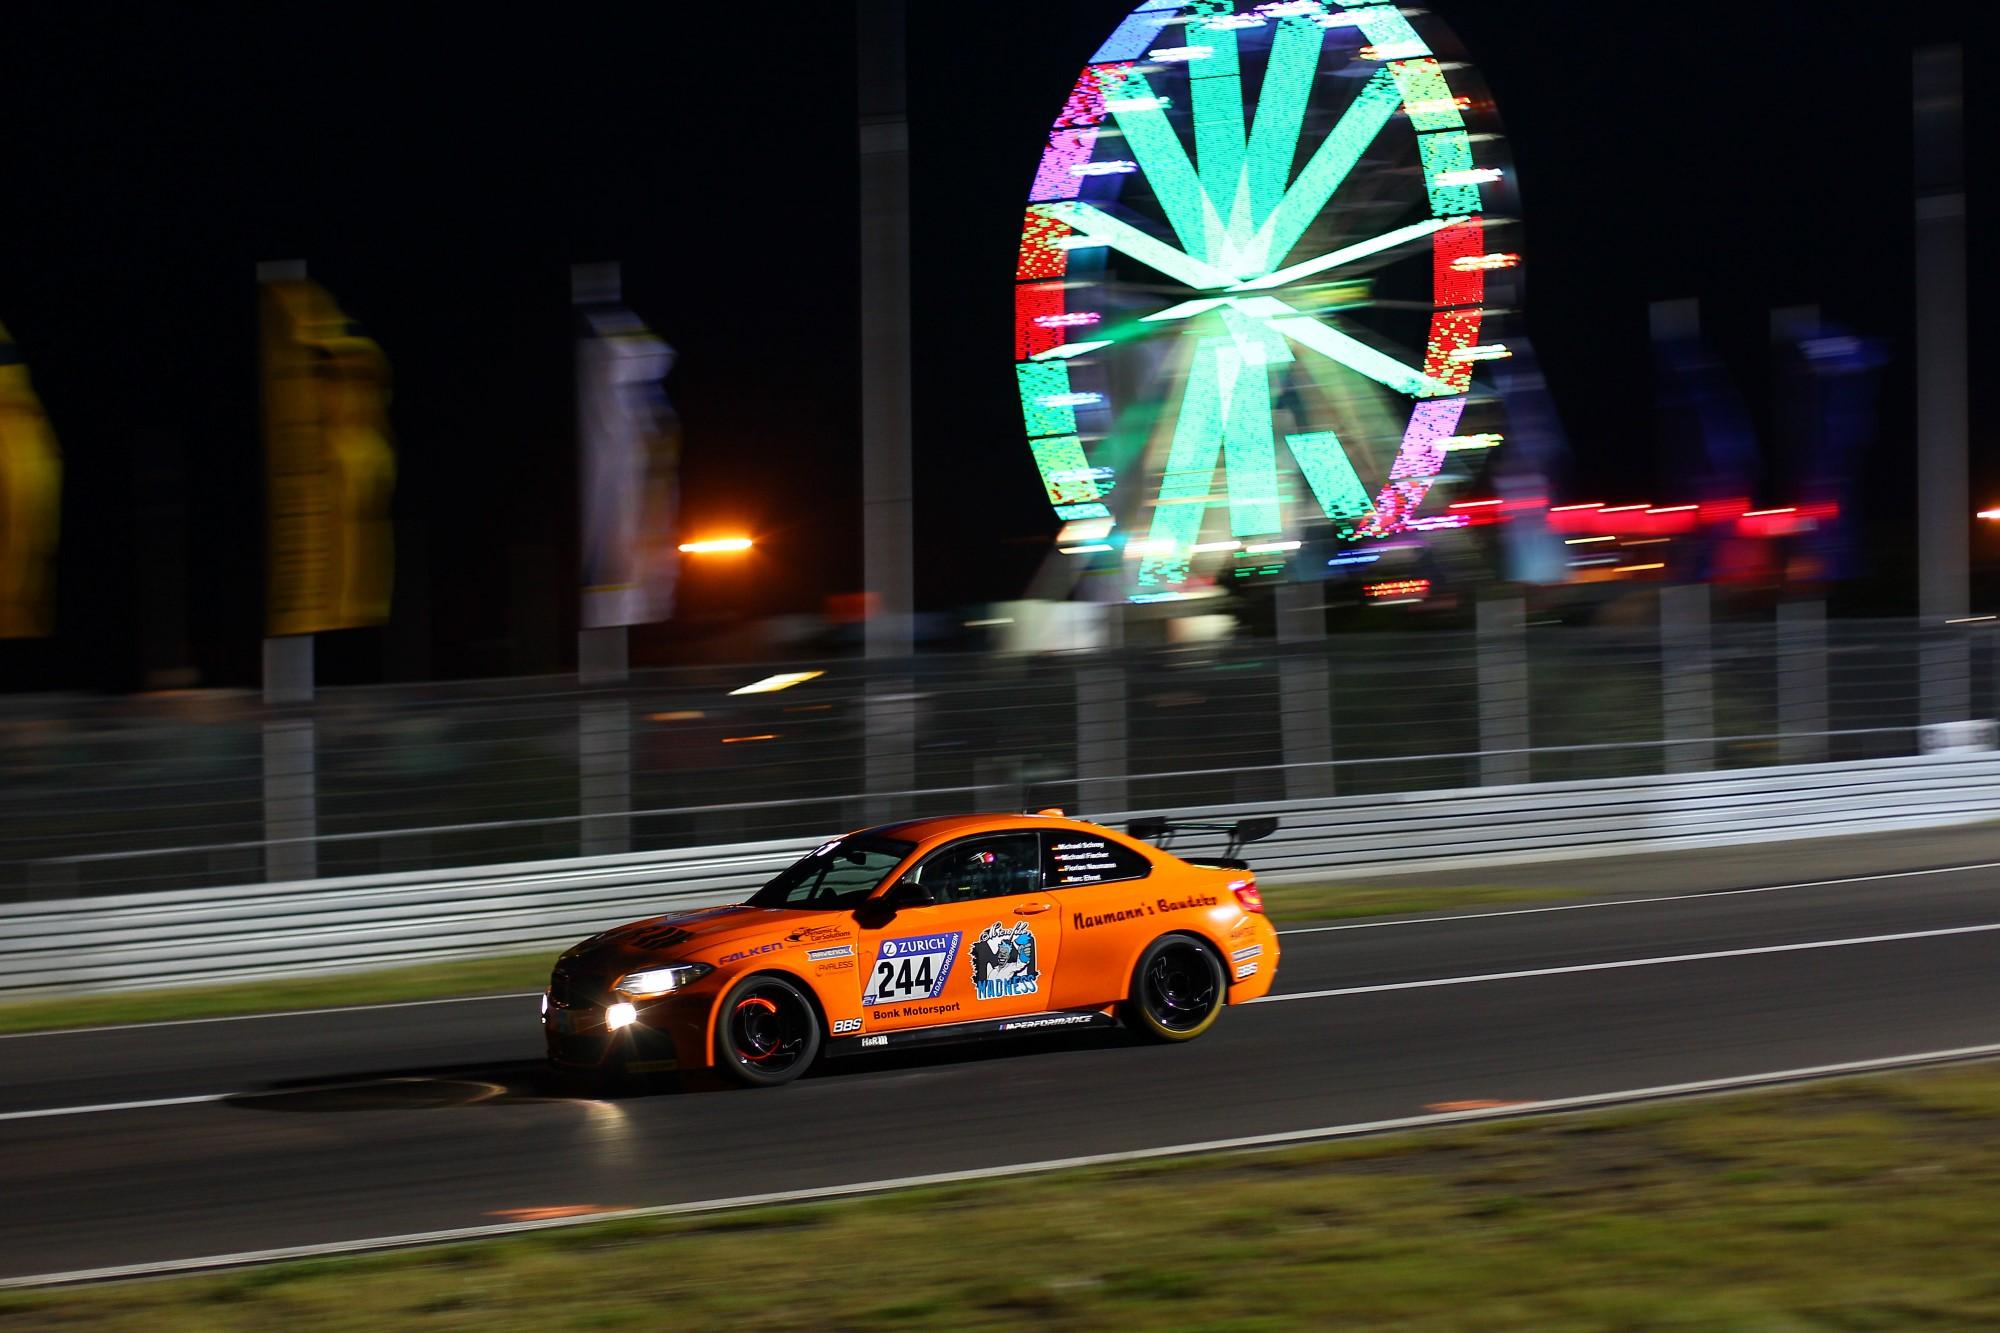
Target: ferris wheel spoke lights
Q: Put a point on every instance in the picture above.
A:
(1164, 104)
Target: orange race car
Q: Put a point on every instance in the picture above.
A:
(927, 931)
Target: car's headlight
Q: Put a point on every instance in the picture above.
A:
(660, 980)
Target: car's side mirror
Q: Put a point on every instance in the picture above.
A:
(909, 893)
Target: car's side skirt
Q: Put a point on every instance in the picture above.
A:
(1055, 1020)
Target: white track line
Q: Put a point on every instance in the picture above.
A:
(1635, 902)
(985, 1172)
(1661, 961)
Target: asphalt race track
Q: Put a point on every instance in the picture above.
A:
(336, 1127)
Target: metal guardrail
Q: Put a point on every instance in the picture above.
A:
(192, 936)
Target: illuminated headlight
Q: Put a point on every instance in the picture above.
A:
(545, 1004)
(621, 1015)
(660, 980)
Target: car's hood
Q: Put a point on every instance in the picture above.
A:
(710, 935)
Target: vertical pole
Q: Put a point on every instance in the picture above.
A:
(1102, 751)
(1803, 710)
(1943, 515)
(291, 782)
(1686, 678)
(1305, 698)
(885, 326)
(1503, 692)
(603, 652)
(291, 801)
(884, 140)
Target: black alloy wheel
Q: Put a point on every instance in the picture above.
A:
(767, 1033)
(1178, 989)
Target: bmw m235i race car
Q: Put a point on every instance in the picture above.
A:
(934, 930)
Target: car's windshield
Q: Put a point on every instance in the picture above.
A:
(840, 874)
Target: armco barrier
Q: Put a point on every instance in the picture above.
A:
(192, 936)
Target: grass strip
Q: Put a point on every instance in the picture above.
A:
(1862, 1203)
(423, 981)
(1287, 903)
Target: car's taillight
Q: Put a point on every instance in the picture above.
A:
(1246, 894)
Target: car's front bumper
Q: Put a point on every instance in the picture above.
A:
(669, 1034)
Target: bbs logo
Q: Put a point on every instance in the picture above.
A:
(841, 1025)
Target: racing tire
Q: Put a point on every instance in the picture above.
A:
(1178, 990)
(767, 1032)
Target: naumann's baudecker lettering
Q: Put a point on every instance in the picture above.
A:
(1080, 921)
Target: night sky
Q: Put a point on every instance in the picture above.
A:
(441, 174)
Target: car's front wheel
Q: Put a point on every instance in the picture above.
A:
(768, 1032)
(1178, 989)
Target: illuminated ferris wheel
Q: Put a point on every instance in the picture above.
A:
(1266, 251)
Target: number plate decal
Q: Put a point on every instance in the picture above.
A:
(911, 968)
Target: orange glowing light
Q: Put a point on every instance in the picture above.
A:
(717, 546)
(1398, 588)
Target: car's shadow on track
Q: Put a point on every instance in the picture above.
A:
(518, 1082)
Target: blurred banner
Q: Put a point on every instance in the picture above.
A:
(329, 467)
(628, 440)
(30, 503)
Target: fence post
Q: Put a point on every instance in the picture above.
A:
(1305, 703)
(889, 721)
(1803, 713)
(291, 801)
(1687, 702)
(1502, 650)
(1101, 736)
(604, 776)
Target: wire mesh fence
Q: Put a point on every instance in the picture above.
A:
(110, 795)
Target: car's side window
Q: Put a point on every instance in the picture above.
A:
(1075, 860)
(990, 867)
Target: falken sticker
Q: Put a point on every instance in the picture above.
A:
(821, 955)
(1254, 951)
(911, 968)
(1004, 963)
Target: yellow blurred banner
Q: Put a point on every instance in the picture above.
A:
(30, 504)
(330, 471)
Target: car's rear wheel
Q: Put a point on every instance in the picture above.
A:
(767, 1033)
(1178, 989)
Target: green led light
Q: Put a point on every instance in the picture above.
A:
(1281, 110)
(1389, 32)
(1190, 473)
(1160, 154)
(1218, 124)
(1066, 472)
(1444, 153)
(1361, 358)
(1345, 143)
(1250, 451)
(1070, 513)
(1130, 241)
(1040, 380)
(1427, 98)
(1331, 475)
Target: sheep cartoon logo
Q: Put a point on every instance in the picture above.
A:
(1003, 962)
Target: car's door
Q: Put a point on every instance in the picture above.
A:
(984, 946)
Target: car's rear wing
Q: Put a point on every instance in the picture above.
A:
(1161, 832)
